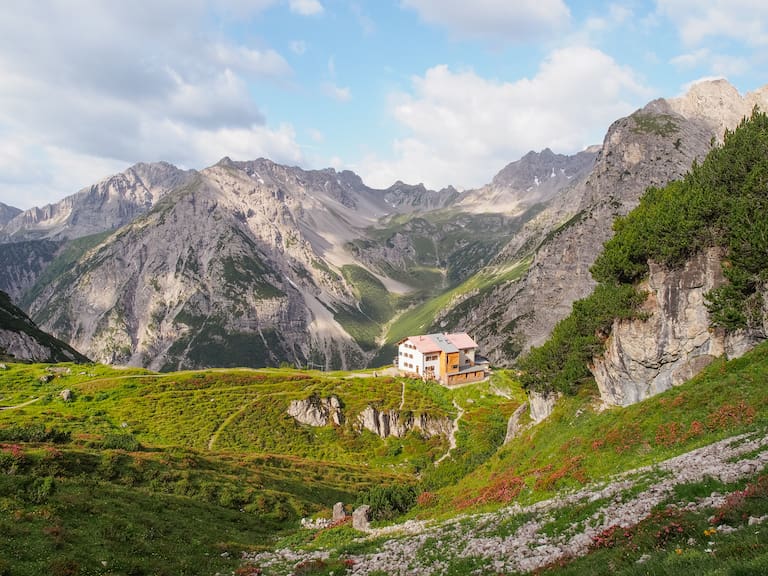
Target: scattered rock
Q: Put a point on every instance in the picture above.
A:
(643, 559)
(45, 378)
(3, 367)
(530, 548)
(316, 524)
(66, 395)
(60, 370)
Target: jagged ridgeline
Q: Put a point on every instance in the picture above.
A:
(721, 203)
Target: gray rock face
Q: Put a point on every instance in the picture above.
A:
(401, 197)
(7, 213)
(651, 147)
(537, 177)
(21, 264)
(513, 424)
(644, 357)
(316, 411)
(394, 423)
(22, 341)
(541, 405)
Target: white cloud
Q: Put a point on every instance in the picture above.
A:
(94, 87)
(719, 65)
(691, 59)
(250, 61)
(462, 128)
(341, 94)
(742, 20)
(306, 7)
(316, 135)
(497, 19)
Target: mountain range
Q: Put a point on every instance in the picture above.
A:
(254, 263)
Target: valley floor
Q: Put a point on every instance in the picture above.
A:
(521, 539)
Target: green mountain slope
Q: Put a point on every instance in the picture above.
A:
(598, 484)
(163, 473)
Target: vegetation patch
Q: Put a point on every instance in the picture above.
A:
(720, 203)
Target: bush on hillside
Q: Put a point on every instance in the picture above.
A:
(388, 502)
(721, 203)
(33, 433)
(125, 442)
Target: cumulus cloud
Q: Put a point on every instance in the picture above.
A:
(306, 7)
(462, 128)
(499, 19)
(717, 65)
(691, 59)
(742, 20)
(91, 88)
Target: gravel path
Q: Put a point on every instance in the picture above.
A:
(512, 540)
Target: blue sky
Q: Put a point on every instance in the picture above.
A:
(434, 91)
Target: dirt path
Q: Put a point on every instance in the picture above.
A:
(27, 403)
(226, 422)
(624, 500)
(452, 437)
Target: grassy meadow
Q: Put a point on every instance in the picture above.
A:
(146, 473)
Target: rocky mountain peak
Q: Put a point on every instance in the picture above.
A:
(7, 213)
(535, 168)
(534, 179)
(106, 205)
(718, 103)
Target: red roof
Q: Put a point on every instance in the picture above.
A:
(424, 344)
(462, 340)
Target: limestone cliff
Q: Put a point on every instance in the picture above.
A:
(651, 147)
(672, 341)
(385, 423)
(316, 411)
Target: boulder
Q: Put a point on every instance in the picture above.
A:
(66, 395)
(316, 411)
(361, 518)
(338, 512)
